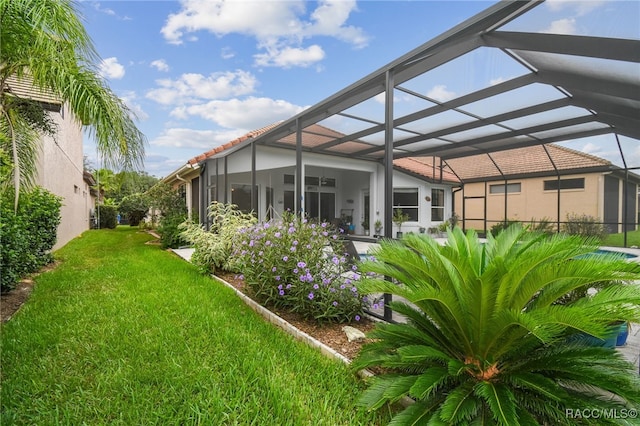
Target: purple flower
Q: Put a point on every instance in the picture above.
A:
(285, 258)
(354, 268)
(335, 303)
(288, 286)
(332, 290)
(310, 296)
(281, 292)
(251, 243)
(267, 243)
(325, 233)
(353, 289)
(323, 224)
(280, 287)
(342, 287)
(316, 286)
(326, 281)
(292, 230)
(301, 264)
(295, 271)
(293, 248)
(295, 242)
(277, 277)
(313, 226)
(347, 281)
(274, 269)
(277, 235)
(241, 277)
(335, 260)
(266, 225)
(335, 237)
(375, 306)
(357, 318)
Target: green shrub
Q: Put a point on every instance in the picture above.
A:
(297, 265)
(28, 235)
(170, 233)
(501, 226)
(585, 225)
(485, 341)
(108, 216)
(134, 208)
(213, 248)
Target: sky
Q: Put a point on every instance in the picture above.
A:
(198, 74)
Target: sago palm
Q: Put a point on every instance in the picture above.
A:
(488, 340)
(44, 42)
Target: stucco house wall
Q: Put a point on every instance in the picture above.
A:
(60, 170)
(533, 202)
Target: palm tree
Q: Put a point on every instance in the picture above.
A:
(488, 340)
(44, 42)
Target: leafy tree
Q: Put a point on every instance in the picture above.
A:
(170, 208)
(486, 340)
(45, 42)
(134, 207)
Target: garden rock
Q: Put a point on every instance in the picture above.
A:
(353, 334)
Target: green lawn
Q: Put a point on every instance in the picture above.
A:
(617, 240)
(126, 333)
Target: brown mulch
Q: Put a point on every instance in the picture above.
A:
(331, 335)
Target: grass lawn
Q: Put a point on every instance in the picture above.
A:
(126, 333)
(617, 240)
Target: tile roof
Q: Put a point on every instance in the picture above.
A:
(231, 144)
(424, 166)
(523, 161)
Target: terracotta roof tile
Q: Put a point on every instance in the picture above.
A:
(528, 160)
(424, 166)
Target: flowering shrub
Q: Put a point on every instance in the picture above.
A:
(297, 265)
(213, 248)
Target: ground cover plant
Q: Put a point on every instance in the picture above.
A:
(617, 240)
(490, 340)
(124, 333)
(299, 265)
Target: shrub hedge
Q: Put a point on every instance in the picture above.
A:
(108, 216)
(28, 234)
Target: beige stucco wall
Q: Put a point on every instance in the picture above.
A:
(533, 202)
(60, 170)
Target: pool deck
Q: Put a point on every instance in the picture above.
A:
(631, 350)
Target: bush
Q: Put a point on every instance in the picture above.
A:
(28, 235)
(170, 233)
(213, 248)
(585, 225)
(134, 208)
(501, 226)
(108, 216)
(173, 211)
(297, 265)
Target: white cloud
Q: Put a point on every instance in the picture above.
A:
(440, 93)
(190, 87)
(160, 65)
(190, 138)
(290, 56)
(278, 26)
(250, 113)
(562, 26)
(497, 80)
(227, 53)
(110, 68)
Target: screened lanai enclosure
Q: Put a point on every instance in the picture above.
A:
(517, 75)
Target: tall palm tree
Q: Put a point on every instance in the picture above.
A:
(490, 337)
(45, 42)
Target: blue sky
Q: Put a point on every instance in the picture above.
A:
(201, 73)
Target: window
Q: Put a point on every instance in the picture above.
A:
(407, 200)
(289, 179)
(437, 205)
(499, 188)
(555, 184)
(241, 196)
